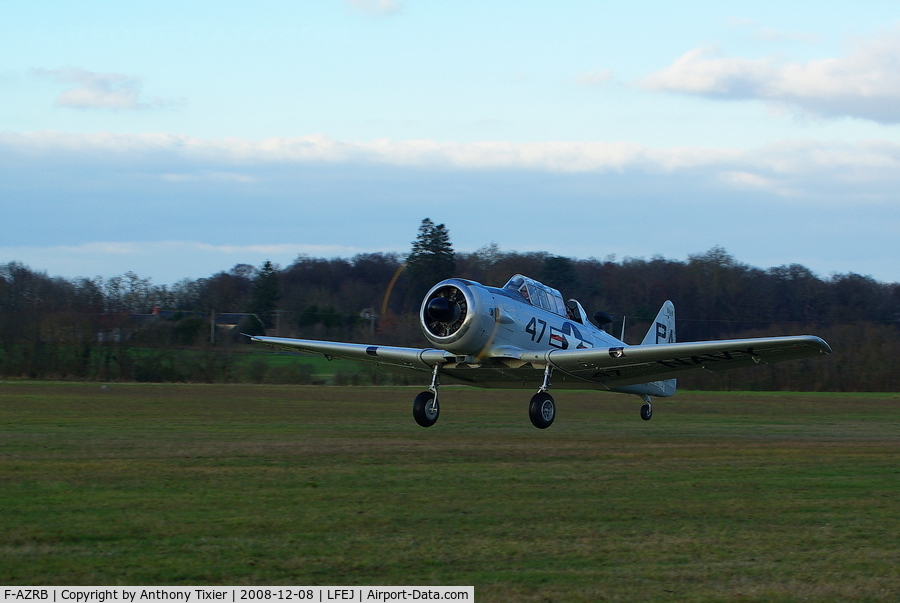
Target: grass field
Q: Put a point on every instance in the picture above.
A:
(721, 497)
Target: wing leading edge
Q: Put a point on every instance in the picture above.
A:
(415, 358)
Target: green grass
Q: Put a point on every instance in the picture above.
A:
(323, 370)
(721, 497)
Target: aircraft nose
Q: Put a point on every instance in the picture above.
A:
(441, 310)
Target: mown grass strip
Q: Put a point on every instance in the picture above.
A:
(762, 497)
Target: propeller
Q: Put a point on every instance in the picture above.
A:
(441, 310)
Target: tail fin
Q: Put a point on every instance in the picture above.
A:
(663, 328)
(663, 331)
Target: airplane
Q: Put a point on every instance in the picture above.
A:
(522, 334)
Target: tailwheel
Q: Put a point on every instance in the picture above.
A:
(646, 412)
(542, 410)
(426, 409)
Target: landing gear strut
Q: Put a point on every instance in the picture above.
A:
(542, 409)
(646, 409)
(425, 407)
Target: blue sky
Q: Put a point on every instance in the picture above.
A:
(178, 139)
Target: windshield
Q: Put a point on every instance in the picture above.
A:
(537, 294)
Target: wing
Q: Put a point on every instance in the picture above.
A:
(415, 358)
(602, 368)
(640, 364)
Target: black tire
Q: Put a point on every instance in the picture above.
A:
(646, 412)
(422, 411)
(542, 410)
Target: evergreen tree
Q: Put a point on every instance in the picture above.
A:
(431, 259)
(265, 294)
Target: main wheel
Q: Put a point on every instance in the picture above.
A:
(424, 412)
(542, 410)
(646, 412)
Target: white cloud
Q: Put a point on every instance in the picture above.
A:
(110, 91)
(769, 34)
(376, 7)
(790, 168)
(865, 84)
(595, 78)
(208, 176)
(550, 156)
(739, 22)
(747, 179)
(751, 181)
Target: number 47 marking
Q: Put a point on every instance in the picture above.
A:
(531, 329)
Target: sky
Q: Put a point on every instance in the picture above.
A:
(177, 139)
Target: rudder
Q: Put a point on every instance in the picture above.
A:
(663, 328)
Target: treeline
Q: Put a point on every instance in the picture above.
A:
(126, 328)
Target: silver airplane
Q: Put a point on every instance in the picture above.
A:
(521, 334)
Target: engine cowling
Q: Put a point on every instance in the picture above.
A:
(454, 316)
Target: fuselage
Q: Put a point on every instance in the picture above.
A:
(529, 316)
(478, 323)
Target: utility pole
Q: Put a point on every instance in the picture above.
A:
(369, 314)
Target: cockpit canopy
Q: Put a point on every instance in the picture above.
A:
(537, 294)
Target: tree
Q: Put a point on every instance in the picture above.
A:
(265, 294)
(226, 291)
(559, 272)
(431, 259)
